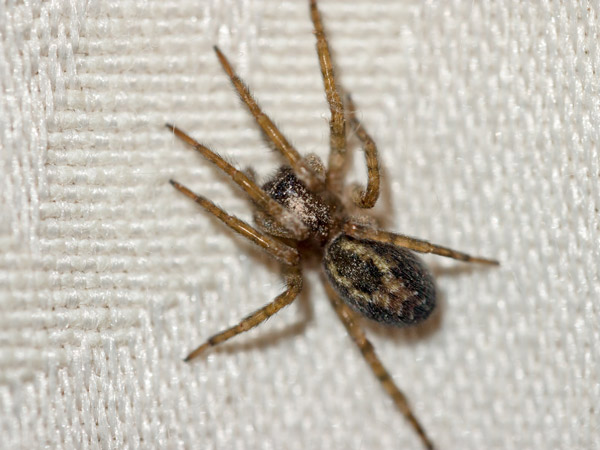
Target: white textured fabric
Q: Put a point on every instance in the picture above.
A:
(487, 117)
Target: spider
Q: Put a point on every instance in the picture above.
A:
(301, 212)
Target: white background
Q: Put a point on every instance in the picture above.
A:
(487, 117)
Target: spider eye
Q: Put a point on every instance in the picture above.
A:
(385, 283)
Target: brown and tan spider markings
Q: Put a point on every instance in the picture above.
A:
(300, 212)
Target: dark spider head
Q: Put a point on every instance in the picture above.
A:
(285, 188)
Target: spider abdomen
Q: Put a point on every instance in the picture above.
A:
(384, 282)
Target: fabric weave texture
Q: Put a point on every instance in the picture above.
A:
(487, 119)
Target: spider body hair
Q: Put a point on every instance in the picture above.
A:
(383, 282)
(299, 214)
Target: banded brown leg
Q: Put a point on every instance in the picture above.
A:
(365, 198)
(281, 215)
(348, 318)
(294, 286)
(274, 247)
(301, 169)
(337, 122)
(417, 245)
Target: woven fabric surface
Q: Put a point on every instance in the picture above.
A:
(487, 119)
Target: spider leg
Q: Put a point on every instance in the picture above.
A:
(301, 169)
(417, 245)
(348, 318)
(274, 247)
(260, 197)
(294, 286)
(337, 122)
(361, 197)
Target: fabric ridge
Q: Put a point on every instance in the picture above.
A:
(486, 119)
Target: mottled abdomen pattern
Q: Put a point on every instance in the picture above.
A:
(386, 283)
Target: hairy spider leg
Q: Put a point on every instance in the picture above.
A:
(298, 164)
(260, 197)
(365, 198)
(272, 246)
(349, 319)
(293, 278)
(417, 245)
(337, 122)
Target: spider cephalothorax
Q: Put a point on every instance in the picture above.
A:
(316, 213)
(300, 211)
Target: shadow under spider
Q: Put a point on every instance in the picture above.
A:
(274, 337)
(305, 310)
(411, 333)
(454, 270)
(425, 329)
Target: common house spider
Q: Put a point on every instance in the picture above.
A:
(301, 212)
